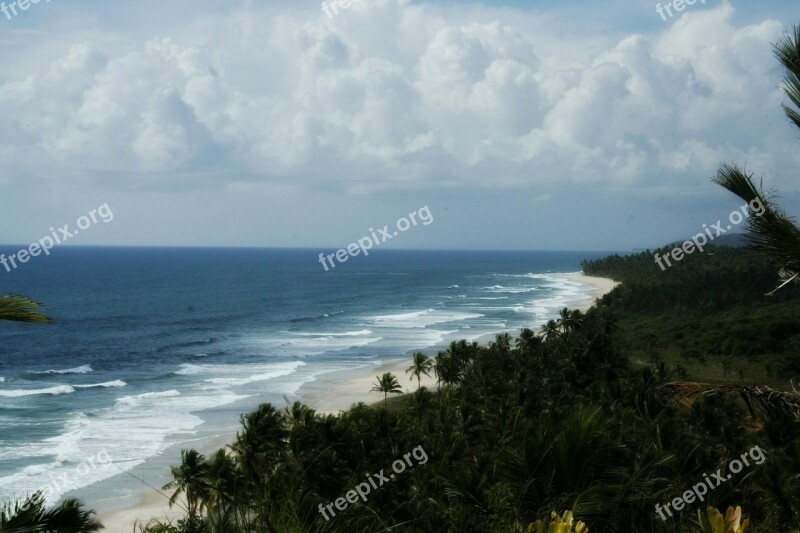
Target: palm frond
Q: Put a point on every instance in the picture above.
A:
(30, 516)
(772, 232)
(70, 515)
(22, 516)
(771, 401)
(787, 50)
(20, 309)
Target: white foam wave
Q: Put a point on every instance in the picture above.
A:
(107, 384)
(138, 399)
(273, 371)
(358, 333)
(316, 345)
(515, 308)
(241, 381)
(422, 319)
(564, 293)
(531, 275)
(134, 429)
(85, 369)
(189, 370)
(53, 391)
(233, 375)
(511, 290)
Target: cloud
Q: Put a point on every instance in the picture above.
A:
(390, 95)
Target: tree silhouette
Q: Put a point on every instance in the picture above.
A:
(387, 384)
(422, 365)
(189, 479)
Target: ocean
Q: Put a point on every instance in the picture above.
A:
(152, 349)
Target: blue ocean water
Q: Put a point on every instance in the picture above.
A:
(152, 347)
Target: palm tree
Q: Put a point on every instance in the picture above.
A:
(527, 340)
(551, 331)
(569, 320)
(30, 515)
(262, 444)
(421, 401)
(20, 309)
(502, 342)
(189, 479)
(387, 383)
(564, 320)
(773, 232)
(223, 480)
(446, 369)
(299, 415)
(422, 365)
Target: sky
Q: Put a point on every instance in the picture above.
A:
(531, 125)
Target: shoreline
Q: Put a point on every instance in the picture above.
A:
(602, 286)
(331, 393)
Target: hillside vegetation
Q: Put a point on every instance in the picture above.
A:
(709, 315)
(572, 418)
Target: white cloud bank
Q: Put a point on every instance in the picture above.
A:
(391, 95)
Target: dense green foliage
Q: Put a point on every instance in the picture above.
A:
(718, 279)
(708, 313)
(519, 428)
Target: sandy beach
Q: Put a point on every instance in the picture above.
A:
(337, 393)
(331, 393)
(331, 396)
(602, 286)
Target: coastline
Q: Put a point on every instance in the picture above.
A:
(331, 393)
(338, 391)
(602, 286)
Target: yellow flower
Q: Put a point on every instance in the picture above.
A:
(562, 524)
(731, 522)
